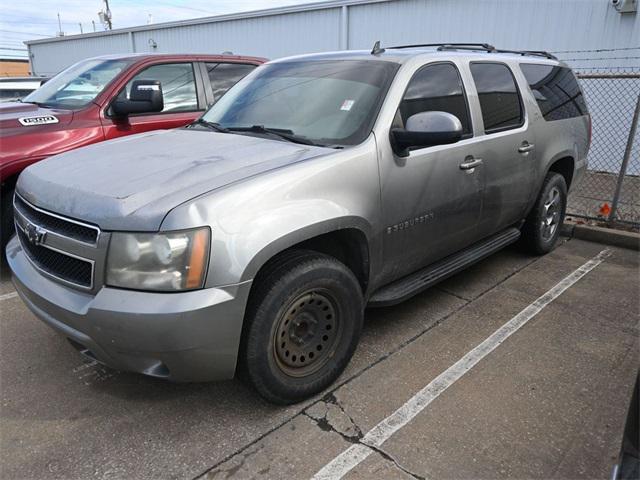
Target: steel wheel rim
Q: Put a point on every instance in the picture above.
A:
(307, 333)
(552, 209)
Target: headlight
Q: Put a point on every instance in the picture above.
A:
(158, 261)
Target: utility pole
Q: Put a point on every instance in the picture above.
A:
(108, 12)
(105, 16)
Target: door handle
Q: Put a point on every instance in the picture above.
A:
(471, 164)
(526, 147)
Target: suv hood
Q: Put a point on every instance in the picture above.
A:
(133, 182)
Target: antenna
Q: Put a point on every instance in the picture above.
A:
(377, 50)
(60, 32)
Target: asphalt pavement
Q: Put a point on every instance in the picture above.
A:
(435, 390)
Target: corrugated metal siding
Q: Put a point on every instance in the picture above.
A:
(275, 36)
(50, 58)
(553, 25)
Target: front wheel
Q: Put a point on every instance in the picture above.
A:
(303, 324)
(542, 227)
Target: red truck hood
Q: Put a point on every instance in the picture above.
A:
(22, 141)
(11, 112)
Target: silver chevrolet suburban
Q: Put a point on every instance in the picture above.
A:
(252, 240)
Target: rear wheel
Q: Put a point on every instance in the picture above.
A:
(302, 326)
(542, 227)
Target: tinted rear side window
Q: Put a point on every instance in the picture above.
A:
(223, 76)
(556, 90)
(499, 97)
(436, 87)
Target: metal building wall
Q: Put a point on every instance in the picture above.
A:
(51, 57)
(554, 25)
(274, 36)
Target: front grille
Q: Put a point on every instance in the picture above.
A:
(56, 224)
(70, 269)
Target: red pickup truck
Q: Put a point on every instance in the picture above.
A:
(108, 97)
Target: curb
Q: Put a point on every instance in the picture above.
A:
(608, 236)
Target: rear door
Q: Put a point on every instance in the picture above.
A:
(220, 77)
(507, 149)
(184, 101)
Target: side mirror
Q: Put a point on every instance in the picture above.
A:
(145, 97)
(426, 129)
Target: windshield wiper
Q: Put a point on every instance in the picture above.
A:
(38, 104)
(211, 125)
(278, 132)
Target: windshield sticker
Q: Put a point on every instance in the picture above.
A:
(39, 120)
(347, 104)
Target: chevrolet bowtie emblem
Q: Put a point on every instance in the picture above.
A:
(35, 234)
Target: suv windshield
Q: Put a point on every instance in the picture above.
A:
(78, 85)
(325, 102)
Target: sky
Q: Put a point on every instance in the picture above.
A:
(34, 19)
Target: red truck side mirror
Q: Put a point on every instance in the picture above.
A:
(145, 97)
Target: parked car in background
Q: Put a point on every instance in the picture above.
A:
(78, 107)
(316, 186)
(13, 89)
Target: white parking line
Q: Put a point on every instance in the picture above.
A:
(7, 296)
(354, 455)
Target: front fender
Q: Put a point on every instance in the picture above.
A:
(253, 220)
(307, 232)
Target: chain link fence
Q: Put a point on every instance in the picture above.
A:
(610, 189)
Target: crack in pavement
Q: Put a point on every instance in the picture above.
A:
(357, 374)
(229, 472)
(330, 416)
(387, 456)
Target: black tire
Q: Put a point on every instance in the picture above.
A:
(542, 228)
(7, 228)
(302, 325)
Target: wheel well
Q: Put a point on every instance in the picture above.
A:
(8, 183)
(348, 245)
(564, 167)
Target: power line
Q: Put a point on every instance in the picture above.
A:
(25, 33)
(598, 50)
(601, 58)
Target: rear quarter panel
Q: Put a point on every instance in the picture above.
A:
(554, 139)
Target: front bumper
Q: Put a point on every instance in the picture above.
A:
(189, 336)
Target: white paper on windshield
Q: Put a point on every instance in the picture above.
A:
(347, 104)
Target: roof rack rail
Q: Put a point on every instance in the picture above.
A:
(536, 53)
(478, 46)
(452, 46)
